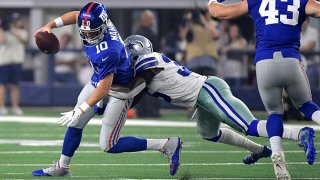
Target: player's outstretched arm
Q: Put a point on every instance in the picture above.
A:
(64, 20)
(101, 91)
(313, 8)
(222, 11)
(72, 117)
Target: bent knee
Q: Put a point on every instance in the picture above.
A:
(107, 145)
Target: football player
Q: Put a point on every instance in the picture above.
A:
(278, 62)
(212, 96)
(111, 64)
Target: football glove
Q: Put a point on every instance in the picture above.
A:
(72, 117)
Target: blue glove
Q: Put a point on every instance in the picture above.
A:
(99, 110)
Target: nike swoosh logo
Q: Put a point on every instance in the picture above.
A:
(104, 59)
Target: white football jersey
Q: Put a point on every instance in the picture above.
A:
(175, 84)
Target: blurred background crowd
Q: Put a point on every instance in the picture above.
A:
(187, 35)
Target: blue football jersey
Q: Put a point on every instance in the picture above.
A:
(277, 26)
(110, 56)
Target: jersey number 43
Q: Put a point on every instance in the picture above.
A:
(268, 9)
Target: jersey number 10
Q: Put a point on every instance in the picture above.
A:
(101, 46)
(272, 13)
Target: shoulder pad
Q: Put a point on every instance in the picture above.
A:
(148, 61)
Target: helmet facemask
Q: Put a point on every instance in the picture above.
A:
(92, 36)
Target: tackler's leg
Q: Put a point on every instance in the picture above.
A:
(216, 104)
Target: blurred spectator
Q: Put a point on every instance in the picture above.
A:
(84, 70)
(148, 106)
(310, 42)
(147, 21)
(235, 66)
(65, 61)
(174, 44)
(202, 38)
(224, 33)
(12, 59)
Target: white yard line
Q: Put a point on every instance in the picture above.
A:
(185, 164)
(129, 122)
(203, 178)
(146, 152)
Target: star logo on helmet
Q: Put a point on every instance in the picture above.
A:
(130, 47)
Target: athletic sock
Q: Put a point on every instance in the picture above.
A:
(227, 136)
(311, 111)
(316, 117)
(64, 161)
(276, 144)
(71, 141)
(156, 144)
(129, 144)
(288, 133)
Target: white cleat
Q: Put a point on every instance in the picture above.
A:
(172, 150)
(54, 170)
(279, 165)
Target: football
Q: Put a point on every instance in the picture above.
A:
(47, 42)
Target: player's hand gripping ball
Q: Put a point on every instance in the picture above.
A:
(47, 42)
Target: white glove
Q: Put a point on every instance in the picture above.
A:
(73, 116)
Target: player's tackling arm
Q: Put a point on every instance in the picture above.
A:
(313, 8)
(222, 11)
(64, 20)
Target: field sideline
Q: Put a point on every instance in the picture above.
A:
(26, 146)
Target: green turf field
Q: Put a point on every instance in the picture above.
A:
(200, 159)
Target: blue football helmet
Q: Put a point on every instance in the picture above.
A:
(92, 22)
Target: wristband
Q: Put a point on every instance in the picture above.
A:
(210, 1)
(59, 22)
(84, 106)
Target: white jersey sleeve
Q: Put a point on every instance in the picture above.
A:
(175, 84)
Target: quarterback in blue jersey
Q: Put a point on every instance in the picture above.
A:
(278, 27)
(111, 65)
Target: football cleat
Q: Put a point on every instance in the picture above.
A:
(254, 157)
(172, 150)
(279, 165)
(306, 138)
(54, 170)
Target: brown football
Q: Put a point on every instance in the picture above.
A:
(47, 42)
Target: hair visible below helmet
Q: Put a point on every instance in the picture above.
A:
(92, 22)
(137, 45)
